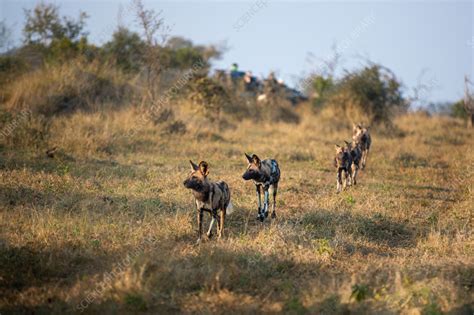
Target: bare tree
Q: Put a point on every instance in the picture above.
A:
(155, 34)
(468, 102)
(422, 91)
(327, 66)
(5, 36)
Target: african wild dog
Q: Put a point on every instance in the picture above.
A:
(264, 174)
(356, 156)
(361, 135)
(343, 162)
(212, 197)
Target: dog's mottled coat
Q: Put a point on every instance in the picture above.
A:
(342, 162)
(265, 174)
(361, 136)
(356, 155)
(212, 197)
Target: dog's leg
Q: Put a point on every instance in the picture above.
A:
(339, 180)
(211, 225)
(200, 214)
(348, 177)
(265, 202)
(365, 157)
(275, 189)
(221, 225)
(344, 179)
(351, 171)
(355, 169)
(259, 199)
(362, 159)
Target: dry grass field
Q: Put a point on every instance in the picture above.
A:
(106, 226)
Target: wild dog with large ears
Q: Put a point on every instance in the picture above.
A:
(342, 162)
(355, 151)
(264, 174)
(212, 197)
(361, 135)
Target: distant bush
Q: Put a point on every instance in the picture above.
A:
(320, 89)
(279, 111)
(371, 95)
(129, 51)
(458, 110)
(55, 38)
(210, 96)
(214, 100)
(182, 53)
(126, 48)
(44, 25)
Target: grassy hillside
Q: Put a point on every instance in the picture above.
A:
(106, 224)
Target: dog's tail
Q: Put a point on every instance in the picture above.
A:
(230, 208)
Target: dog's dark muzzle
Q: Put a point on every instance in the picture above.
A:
(192, 184)
(186, 183)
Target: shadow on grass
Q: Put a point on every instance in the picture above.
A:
(428, 197)
(30, 274)
(80, 168)
(20, 195)
(210, 278)
(428, 192)
(38, 275)
(170, 278)
(22, 267)
(62, 200)
(378, 229)
(426, 187)
(213, 268)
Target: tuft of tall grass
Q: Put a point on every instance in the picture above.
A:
(67, 87)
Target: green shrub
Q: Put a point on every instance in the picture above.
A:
(126, 48)
(210, 96)
(371, 95)
(458, 110)
(360, 292)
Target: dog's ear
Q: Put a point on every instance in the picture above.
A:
(337, 147)
(256, 160)
(194, 167)
(204, 168)
(347, 143)
(249, 158)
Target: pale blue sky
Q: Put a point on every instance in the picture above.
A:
(411, 38)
